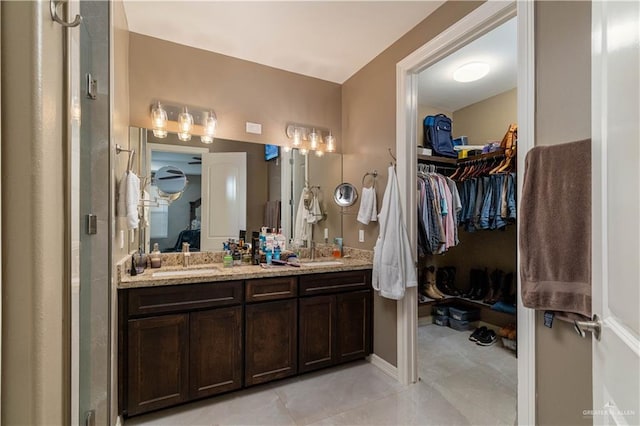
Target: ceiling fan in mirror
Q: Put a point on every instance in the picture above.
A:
(197, 160)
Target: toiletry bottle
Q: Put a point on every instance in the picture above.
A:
(269, 256)
(276, 252)
(281, 240)
(133, 270)
(156, 259)
(227, 260)
(255, 251)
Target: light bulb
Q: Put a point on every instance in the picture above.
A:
(286, 148)
(319, 153)
(331, 142)
(313, 139)
(159, 121)
(304, 151)
(209, 125)
(297, 137)
(185, 123)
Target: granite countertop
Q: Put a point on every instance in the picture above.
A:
(207, 267)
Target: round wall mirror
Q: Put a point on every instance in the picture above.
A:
(171, 182)
(345, 195)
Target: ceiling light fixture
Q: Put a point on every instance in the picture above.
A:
(471, 72)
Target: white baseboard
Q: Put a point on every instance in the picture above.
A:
(384, 365)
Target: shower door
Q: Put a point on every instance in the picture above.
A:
(90, 213)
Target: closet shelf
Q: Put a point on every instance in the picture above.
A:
(431, 159)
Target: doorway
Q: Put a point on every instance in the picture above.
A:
(482, 20)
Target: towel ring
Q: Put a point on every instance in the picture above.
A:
(373, 174)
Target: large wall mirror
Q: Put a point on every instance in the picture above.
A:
(233, 186)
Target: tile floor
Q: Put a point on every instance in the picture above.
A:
(461, 384)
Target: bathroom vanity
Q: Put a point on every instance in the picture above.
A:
(189, 335)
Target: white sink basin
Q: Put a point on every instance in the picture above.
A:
(322, 263)
(184, 272)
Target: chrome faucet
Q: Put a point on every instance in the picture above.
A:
(186, 256)
(312, 250)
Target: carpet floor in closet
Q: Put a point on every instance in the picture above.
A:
(460, 384)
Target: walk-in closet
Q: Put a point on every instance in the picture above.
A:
(467, 245)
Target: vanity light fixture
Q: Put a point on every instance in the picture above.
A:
(184, 120)
(471, 72)
(308, 138)
(330, 140)
(159, 121)
(209, 125)
(185, 123)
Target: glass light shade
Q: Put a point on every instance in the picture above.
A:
(304, 151)
(319, 152)
(471, 72)
(286, 148)
(313, 139)
(159, 121)
(297, 137)
(209, 125)
(330, 140)
(185, 123)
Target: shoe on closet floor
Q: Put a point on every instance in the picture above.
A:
(487, 339)
(477, 333)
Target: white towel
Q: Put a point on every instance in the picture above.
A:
(302, 228)
(129, 199)
(368, 211)
(315, 213)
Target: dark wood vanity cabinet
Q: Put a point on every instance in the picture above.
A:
(184, 342)
(334, 328)
(271, 332)
(215, 351)
(158, 362)
(178, 343)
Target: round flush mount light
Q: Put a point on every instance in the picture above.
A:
(471, 72)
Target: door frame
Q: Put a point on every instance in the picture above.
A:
(486, 17)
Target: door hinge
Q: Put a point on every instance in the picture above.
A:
(92, 87)
(92, 224)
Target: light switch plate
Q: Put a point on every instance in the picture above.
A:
(361, 235)
(254, 128)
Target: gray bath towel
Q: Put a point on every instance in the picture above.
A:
(555, 231)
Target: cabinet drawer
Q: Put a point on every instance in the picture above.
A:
(270, 289)
(334, 282)
(185, 297)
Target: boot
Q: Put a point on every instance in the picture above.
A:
(451, 275)
(482, 285)
(473, 284)
(443, 282)
(508, 293)
(495, 280)
(431, 283)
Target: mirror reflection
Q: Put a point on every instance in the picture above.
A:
(235, 186)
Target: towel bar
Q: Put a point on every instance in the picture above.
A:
(594, 327)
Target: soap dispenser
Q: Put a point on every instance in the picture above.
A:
(156, 258)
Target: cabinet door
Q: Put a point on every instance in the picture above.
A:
(215, 351)
(158, 349)
(271, 341)
(354, 325)
(317, 332)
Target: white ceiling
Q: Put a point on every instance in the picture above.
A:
(498, 48)
(330, 40)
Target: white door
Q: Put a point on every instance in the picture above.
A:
(616, 211)
(224, 198)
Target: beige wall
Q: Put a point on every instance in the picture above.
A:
(368, 126)
(35, 385)
(237, 90)
(488, 120)
(563, 100)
